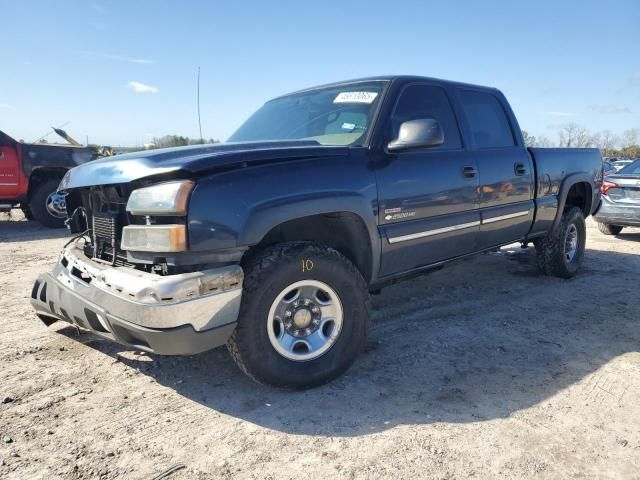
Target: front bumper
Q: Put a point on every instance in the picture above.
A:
(171, 315)
(617, 214)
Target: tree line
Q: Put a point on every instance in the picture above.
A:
(179, 141)
(572, 135)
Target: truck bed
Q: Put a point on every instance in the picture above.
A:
(555, 167)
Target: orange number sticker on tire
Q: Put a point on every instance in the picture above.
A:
(307, 265)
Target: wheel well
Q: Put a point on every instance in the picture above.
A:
(344, 231)
(41, 175)
(580, 196)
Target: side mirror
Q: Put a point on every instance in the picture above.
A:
(424, 132)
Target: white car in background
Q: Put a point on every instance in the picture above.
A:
(620, 164)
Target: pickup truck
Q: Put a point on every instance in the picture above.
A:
(30, 174)
(272, 242)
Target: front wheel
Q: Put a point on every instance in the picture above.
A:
(304, 315)
(561, 251)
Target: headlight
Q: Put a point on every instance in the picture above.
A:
(154, 238)
(168, 198)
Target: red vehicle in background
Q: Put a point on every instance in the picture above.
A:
(30, 174)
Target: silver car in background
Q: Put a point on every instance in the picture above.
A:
(620, 200)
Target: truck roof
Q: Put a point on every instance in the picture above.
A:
(390, 78)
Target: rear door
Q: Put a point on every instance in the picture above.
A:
(505, 167)
(429, 196)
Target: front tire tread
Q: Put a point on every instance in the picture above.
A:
(268, 266)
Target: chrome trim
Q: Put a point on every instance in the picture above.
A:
(8, 184)
(204, 300)
(437, 231)
(504, 217)
(453, 228)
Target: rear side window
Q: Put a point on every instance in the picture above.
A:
(487, 119)
(425, 101)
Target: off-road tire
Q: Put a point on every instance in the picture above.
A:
(38, 204)
(609, 229)
(550, 249)
(267, 274)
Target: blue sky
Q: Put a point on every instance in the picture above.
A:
(121, 72)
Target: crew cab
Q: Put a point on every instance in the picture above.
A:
(272, 242)
(30, 174)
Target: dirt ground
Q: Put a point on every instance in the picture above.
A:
(483, 369)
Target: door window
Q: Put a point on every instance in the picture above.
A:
(487, 120)
(426, 101)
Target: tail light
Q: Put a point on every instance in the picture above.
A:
(606, 186)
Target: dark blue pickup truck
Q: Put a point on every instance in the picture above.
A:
(272, 242)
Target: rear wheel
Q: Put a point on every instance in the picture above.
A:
(608, 229)
(303, 318)
(561, 251)
(47, 206)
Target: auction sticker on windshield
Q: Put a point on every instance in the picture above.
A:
(356, 97)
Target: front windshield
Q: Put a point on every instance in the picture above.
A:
(331, 116)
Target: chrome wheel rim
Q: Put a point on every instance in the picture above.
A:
(305, 320)
(571, 243)
(56, 205)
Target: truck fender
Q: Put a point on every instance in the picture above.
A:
(41, 174)
(270, 214)
(563, 193)
(267, 216)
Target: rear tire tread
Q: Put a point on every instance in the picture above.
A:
(550, 249)
(608, 229)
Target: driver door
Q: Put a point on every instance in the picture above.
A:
(429, 197)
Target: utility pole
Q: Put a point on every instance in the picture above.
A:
(199, 121)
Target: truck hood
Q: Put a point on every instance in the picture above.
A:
(196, 160)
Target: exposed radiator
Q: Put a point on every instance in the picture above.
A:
(106, 239)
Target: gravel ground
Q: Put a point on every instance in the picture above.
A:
(483, 369)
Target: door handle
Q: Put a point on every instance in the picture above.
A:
(520, 169)
(469, 172)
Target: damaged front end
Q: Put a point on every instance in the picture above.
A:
(155, 303)
(172, 315)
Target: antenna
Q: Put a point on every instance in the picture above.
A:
(199, 121)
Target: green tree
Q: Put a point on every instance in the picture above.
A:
(529, 140)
